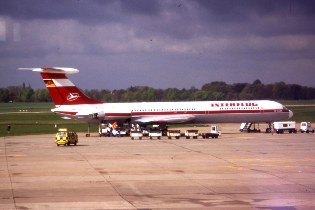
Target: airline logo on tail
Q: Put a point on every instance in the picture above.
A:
(49, 83)
(73, 96)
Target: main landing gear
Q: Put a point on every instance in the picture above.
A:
(269, 129)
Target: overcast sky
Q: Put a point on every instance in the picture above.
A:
(161, 44)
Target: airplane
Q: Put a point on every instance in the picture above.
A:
(70, 102)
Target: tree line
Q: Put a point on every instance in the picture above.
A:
(211, 91)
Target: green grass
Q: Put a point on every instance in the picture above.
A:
(20, 107)
(28, 129)
(305, 113)
(297, 102)
(40, 120)
(304, 110)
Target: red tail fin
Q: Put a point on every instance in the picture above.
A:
(62, 90)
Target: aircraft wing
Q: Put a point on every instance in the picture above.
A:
(163, 119)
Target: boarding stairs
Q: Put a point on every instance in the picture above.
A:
(248, 128)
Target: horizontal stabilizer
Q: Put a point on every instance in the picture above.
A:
(58, 70)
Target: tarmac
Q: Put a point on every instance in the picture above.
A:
(237, 171)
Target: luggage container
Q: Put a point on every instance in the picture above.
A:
(191, 134)
(136, 135)
(155, 133)
(173, 133)
(281, 127)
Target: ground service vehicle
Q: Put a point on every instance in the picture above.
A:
(173, 133)
(103, 130)
(155, 133)
(281, 127)
(214, 133)
(306, 127)
(65, 137)
(123, 132)
(191, 133)
(134, 134)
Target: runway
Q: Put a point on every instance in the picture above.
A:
(238, 170)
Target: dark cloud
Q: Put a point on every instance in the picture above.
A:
(181, 19)
(242, 9)
(261, 17)
(140, 7)
(79, 10)
(97, 10)
(232, 40)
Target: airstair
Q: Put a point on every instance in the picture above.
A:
(246, 127)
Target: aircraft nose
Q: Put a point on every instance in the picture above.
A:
(290, 114)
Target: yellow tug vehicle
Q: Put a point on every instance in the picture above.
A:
(65, 137)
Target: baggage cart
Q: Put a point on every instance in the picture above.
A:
(173, 133)
(191, 134)
(136, 135)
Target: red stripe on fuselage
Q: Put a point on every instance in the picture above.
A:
(258, 111)
(167, 113)
(206, 112)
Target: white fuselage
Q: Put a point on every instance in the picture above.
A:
(71, 102)
(179, 112)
